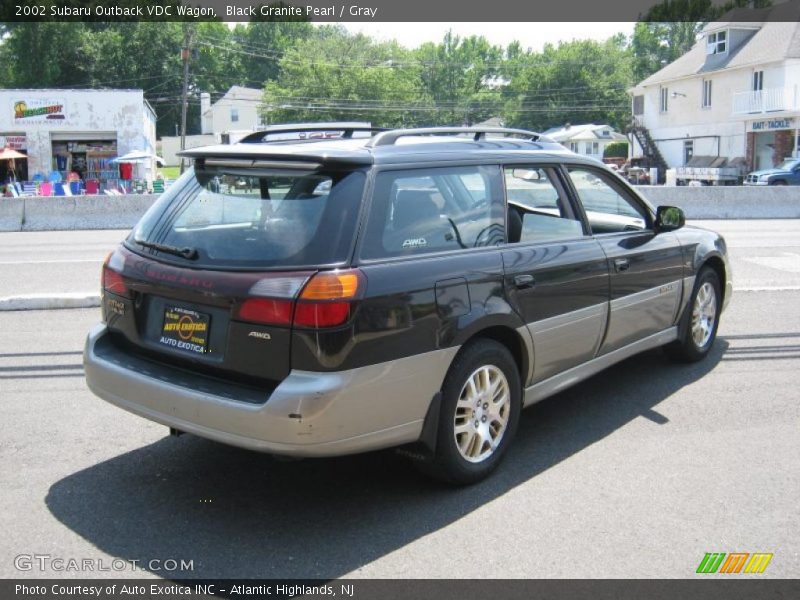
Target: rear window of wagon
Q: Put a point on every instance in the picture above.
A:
(259, 219)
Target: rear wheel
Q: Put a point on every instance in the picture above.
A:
(481, 403)
(700, 320)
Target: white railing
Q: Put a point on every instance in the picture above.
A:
(763, 101)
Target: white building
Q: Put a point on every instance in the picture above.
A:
(77, 130)
(736, 93)
(225, 121)
(237, 110)
(589, 139)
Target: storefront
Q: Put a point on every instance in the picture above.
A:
(770, 141)
(76, 135)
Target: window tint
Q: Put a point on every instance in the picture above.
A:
(536, 210)
(238, 217)
(431, 210)
(607, 210)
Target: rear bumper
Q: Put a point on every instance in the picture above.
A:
(308, 414)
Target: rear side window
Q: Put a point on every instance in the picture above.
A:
(419, 211)
(258, 219)
(538, 210)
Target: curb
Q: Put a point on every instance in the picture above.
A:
(50, 301)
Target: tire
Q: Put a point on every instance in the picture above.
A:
(475, 429)
(700, 321)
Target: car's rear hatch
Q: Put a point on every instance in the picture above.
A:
(210, 281)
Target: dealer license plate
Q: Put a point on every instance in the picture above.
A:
(185, 329)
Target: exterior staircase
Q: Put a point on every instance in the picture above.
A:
(652, 155)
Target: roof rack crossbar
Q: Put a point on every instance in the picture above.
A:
(387, 138)
(347, 130)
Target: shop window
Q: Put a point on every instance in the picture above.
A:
(706, 93)
(717, 43)
(234, 115)
(664, 98)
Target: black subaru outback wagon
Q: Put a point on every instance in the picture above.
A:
(413, 288)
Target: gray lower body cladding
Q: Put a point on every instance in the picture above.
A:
(308, 414)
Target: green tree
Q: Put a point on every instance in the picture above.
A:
(574, 82)
(462, 77)
(333, 76)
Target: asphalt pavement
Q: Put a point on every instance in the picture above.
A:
(765, 254)
(634, 473)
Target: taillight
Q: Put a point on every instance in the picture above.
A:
(266, 311)
(325, 301)
(112, 279)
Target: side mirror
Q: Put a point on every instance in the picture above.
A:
(669, 218)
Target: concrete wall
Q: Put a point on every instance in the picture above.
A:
(122, 212)
(728, 202)
(76, 212)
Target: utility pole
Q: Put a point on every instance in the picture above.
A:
(185, 53)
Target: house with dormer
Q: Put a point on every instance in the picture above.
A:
(735, 94)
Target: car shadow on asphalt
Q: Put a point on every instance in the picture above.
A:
(240, 514)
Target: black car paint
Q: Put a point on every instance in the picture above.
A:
(416, 304)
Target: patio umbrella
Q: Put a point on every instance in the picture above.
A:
(137, 156)
(9, 154)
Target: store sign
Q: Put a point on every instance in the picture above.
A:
(15, 142)
(39, 110)
(771, 124)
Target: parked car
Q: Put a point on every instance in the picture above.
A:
(415, 289)
(787, 173)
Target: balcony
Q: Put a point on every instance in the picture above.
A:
(765, 101)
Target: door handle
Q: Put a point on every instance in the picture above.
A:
(621, 264)
(524, 281)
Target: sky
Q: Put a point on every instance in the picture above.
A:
(530, 35)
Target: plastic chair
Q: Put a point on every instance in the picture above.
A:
(59, 188)
(75, 188)
(46, 189)
(92, 186)
(29, 188)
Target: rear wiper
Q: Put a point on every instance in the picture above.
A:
(187, 253)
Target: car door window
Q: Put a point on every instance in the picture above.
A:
(607, 209)
(537, 210)
(419, 211)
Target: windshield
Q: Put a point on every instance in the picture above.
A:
(235, 217)
(789, 164)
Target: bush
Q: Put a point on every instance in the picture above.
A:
(616, 149)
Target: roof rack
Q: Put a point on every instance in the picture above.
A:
(347, 129)
(387, 138)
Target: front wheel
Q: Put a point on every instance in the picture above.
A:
(479, 413)
(700, 321)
